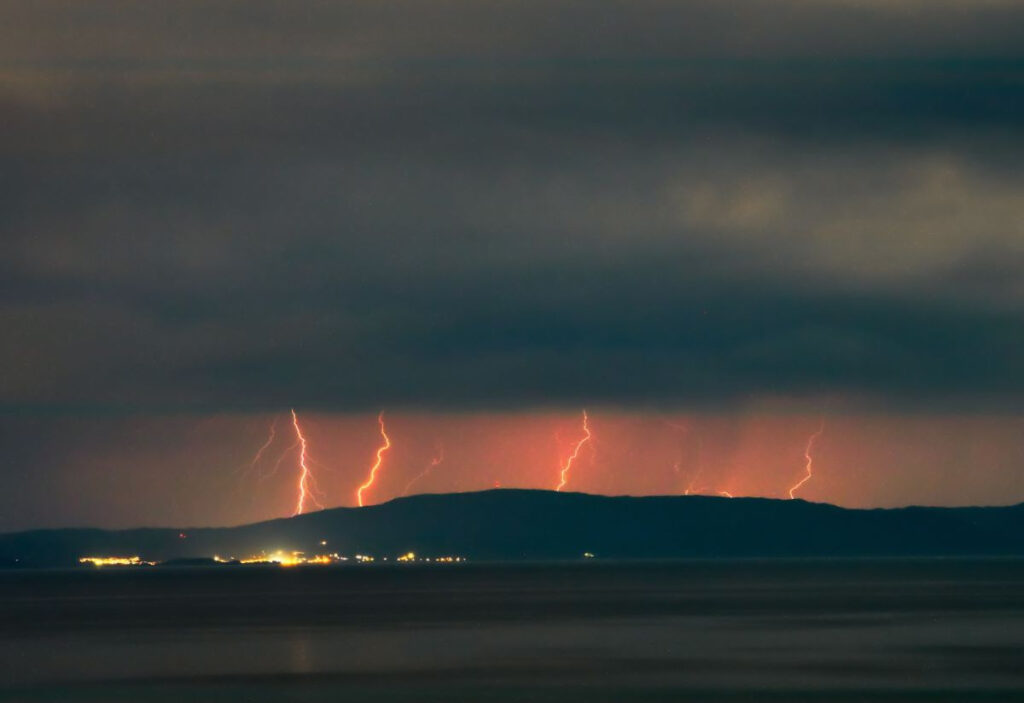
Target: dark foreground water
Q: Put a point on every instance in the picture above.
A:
(694, 631)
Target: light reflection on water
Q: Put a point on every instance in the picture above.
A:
(839, 630)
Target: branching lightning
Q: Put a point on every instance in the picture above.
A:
(245, 470)
(306, 479)
(564, 475)
(809, 465)
(309, 496)
(434, 462)
(266, 445)
(280, 460)
(380, 460)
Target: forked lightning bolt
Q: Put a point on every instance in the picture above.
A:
(305, 485)
(809, 465)
(380, 460)
(564, 475)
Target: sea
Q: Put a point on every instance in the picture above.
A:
(750, 630)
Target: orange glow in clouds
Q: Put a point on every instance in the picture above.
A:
(376, 466)
(640, 454)
(564, 475)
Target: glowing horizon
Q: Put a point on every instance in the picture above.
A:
(186, 470)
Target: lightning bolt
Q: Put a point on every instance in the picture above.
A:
(306, 480)
(700, 468)
(280, 460)
(245, 469)
(266, 445)
(677, 465)
(809, 465)
(678, 426)
(438, 458)
(564, 475)
(380, 459)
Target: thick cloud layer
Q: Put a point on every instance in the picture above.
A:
(466, 204)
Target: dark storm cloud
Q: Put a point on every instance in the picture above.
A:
(464, 204)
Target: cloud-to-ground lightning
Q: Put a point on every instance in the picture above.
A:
(305, 485)
(564, 475)
(434, 462)
(377, 464)
(808, 459)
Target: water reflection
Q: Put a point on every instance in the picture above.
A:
(920, 630)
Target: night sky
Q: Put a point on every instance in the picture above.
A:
(715, 225)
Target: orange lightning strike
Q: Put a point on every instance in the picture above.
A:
(305, 475)
(438, 458)
(380, 459)
(808, 467)
(564, 476)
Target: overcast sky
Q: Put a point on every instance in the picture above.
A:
(462, 204)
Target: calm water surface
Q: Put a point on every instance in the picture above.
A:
(929, 630)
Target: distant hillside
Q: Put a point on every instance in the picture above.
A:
(538, 525)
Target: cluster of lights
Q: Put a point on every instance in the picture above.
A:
(282, 558)
(411, 557)
(297, 558)
(116, 561)
(278, 557)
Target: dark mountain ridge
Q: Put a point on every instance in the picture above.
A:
(543, 525)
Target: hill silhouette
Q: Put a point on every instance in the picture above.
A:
(543, 525)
